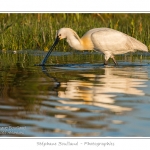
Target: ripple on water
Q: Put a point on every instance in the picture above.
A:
(77, 100)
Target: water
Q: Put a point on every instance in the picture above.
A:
(82, 99)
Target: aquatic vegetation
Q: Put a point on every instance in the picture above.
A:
(36, 31)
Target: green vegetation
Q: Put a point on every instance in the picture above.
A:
(37, 31)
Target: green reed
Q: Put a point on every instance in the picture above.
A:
(36, 31)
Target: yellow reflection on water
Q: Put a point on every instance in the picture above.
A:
(101, 90)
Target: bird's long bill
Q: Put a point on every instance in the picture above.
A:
(49, 52)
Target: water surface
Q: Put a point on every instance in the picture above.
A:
(72, 98)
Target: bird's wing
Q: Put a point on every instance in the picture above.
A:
(114, 41)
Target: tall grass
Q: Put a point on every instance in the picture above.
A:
(37, 31)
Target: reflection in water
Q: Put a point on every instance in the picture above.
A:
(101, 90)
(88, 102)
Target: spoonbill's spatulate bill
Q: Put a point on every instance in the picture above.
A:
(49, 52)
(108, 41)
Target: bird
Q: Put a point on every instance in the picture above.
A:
(109, 41)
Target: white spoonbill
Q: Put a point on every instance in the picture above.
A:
(108, 41)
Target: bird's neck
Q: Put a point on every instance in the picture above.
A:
(74, 41)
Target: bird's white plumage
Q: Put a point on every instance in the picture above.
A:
(109, 41)
(115, 42)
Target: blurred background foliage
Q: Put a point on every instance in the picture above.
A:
(36, 31)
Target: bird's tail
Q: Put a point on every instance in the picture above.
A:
(137, 45)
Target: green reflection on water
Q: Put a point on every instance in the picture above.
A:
(70, 92)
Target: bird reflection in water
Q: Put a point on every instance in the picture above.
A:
(102, 90)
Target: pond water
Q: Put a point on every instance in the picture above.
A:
(74, 99)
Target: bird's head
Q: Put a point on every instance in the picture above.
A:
(62, 33)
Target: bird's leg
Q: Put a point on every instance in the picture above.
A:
(106, 58)
(105, 62)
(114, 60)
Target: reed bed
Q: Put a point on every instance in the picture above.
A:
(36, 31)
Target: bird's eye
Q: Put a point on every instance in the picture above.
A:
(59, 34)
